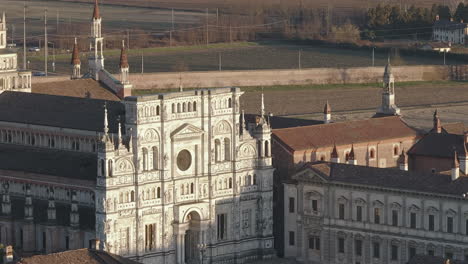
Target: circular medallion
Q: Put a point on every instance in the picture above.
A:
(184, 160)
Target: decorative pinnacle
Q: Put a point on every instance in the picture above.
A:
(455, 164)
(327, 108)
(123, 56)
(75, 54)
(106, 123)
(334, 154)
(96, 14)
(262, 113)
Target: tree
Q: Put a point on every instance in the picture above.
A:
(345, 33)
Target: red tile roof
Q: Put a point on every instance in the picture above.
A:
(82, 88)
(344, 133)
(78, 256)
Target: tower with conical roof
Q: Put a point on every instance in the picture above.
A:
(76, 62)
(96, 56)
(388, 106)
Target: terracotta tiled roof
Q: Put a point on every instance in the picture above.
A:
(83, 88)
(78, 256)
(96, 13)
(454, 128)
(344, 133)
(390, 178)
(75, 55)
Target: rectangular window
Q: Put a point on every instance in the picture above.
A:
(291, 204)
(358, 247)
(150, 237)
(340, 245)
(431, 222)
(314, 205)
(377, 215)
(430, 252)
(413, 220)
(341, 211)
(394, 252)
(44, 240)
(394, 218)
(466, 227)
(376, 250)
(314, 243)
(21, 237)
(449, 224)
(222, 226)
(359, 213)
(412, 252)
(291, 238)
(67, 242)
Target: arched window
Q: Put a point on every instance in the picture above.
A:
(121, 198)
(230, 183)
(132, 196)
(372, 154)
(230, 103)
(152, 111)
(158, 193)
(178, 108)
(347, 156)
(225, 186)
(267, 148)
(395, 151)
(189, 106)
(103, 167)
(110, 167)
(227, 149)
(217, 150)
(254, 179)
(173, 108)
(191, 188)
(153, 193)
(322, 158)
(194, 106)
(155, 158)
(126, 197)
(259, 144)
(158, 110)
(182, 189)
(147, 194)
(184, 107)
(145, 159)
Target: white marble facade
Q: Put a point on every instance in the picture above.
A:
(11, 79)
(195, 174)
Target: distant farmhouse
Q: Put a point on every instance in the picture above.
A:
(449, 31)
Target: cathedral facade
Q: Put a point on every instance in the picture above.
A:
(166, 178)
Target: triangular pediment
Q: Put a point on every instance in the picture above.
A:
(309, 175)
(186, 130)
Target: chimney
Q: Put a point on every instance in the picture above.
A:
(352, 157)
(327, 113)
(437, 17)
(95, 244)
(455, 167)
(334, 155)
(403, 161)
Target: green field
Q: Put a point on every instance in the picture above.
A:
(242, 56)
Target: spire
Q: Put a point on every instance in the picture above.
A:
(351, 155)
(327, 108)
(403, 161)
(455, 163)
(106, 123)
(120, 135)
(437, 127)
(75, 55)
(262, 111)
(334, 153)
(3, 18)
(241, 123)
(123, 57)
(96, 14)
(388, 67)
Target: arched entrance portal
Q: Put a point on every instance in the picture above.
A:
(192, 238)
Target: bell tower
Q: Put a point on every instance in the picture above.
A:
(388, 106)
(96, 56)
